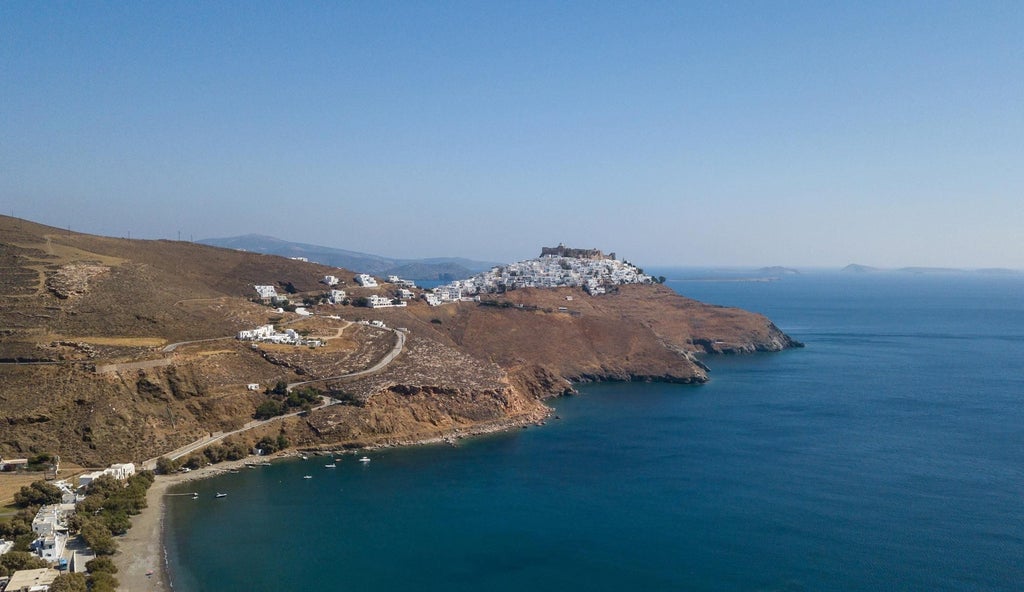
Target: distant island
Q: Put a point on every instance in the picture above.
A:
(917, 270)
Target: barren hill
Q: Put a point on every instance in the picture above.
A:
(88, 370)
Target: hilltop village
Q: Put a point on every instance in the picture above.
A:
(557, 267)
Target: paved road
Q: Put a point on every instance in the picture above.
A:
(380, 365)
(218, 436)
(326, 401)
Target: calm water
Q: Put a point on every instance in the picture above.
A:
(887, 455)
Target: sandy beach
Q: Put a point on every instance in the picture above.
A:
(140, 555)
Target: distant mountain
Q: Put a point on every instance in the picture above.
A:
(857, 268)
(436, 268)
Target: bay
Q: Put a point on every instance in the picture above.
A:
(887, 454)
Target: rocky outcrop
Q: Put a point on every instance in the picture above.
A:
(73, 280)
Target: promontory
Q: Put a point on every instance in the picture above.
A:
(118, 350)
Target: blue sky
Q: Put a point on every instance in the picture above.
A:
(746, 133)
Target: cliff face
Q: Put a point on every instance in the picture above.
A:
(97, 316)
(547, 338)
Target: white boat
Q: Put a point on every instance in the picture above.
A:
(307, 476)
(219, 494)
(330, 466)
(364, 459)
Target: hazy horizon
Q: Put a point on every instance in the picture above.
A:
(811, 135)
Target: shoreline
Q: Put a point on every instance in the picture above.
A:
(141, 558)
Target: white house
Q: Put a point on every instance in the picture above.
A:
(376, 301)
(118, 471)
(330, 280)
(258, 334)
(337, 296)
(47, 520)
(266, 292)
(51, 547)
(32, 580)
(253, 386)
(405, 293)
(366, 281)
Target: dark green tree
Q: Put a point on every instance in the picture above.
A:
(38, 493)
(69, 582)
(267, 444)
(268, 409)
(104, 485)
(13, 561)
(117, 523)
(104, 564)
(166, 466)
(99, 539)
(102, 582)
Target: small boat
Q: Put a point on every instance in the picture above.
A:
(219, 494)
(307, 476)
(195, 496)
(364, 459)
(264, 464)
(337, 460)
(330, 466)
(304, 457)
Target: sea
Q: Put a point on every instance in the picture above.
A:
(888, 454)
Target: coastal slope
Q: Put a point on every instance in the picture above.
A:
(115, 350)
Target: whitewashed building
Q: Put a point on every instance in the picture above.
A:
(268, 293)
(258, 334)
(376, 301)
(119, 471)
(366, 281)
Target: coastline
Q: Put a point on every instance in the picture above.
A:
(141, 558)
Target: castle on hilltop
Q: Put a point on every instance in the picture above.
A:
(563, 251)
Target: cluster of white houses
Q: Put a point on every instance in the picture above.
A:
(557, 267)
(594, 272)
(50, 526)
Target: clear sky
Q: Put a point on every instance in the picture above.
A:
(710, 133)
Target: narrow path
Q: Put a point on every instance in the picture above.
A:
(170, 348)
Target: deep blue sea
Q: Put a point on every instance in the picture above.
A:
(886, 455)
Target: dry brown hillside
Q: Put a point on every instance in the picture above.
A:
(87, 371)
